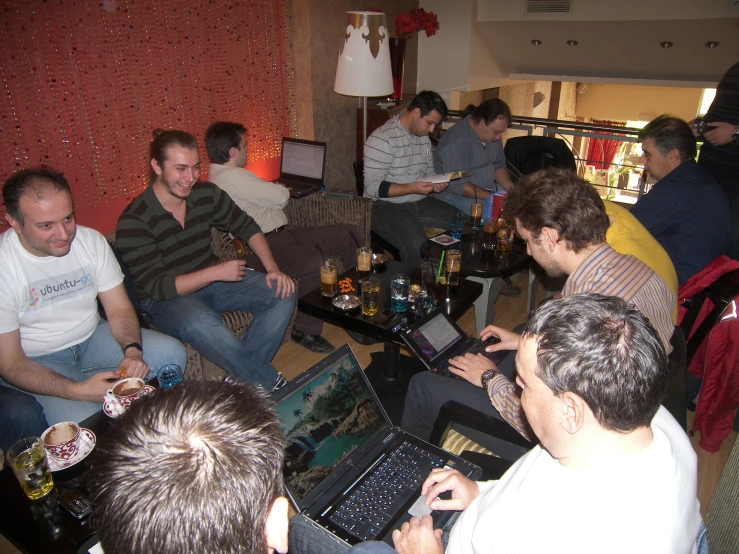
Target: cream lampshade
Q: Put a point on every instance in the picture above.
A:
(364, 59)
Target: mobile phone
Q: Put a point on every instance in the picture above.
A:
(383, 317)
(75, 503)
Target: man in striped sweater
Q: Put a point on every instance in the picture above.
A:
(164, 236)
(397, 158)
(564, 223)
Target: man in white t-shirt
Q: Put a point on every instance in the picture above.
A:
(614, 472)
(53, 344)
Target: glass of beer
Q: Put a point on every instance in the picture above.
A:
(489, 232)
(452, 266)
(329, 278)
(364, 259)
(370, 293)
(475, 215)
(27, 457)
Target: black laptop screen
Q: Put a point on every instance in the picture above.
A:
(324, 420)
(435, 337)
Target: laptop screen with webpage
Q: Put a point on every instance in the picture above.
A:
(434, 338)
(324, 420)
(303, 158)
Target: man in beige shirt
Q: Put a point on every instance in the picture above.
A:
(298, 252)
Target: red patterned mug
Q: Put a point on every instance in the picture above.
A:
(62, 440)
(125, 391)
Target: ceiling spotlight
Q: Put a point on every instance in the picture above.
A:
(666, 44)
(712, 44)
(572, 42)
(536, 42)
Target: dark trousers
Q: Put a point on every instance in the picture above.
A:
(20, 417)
(299, 253)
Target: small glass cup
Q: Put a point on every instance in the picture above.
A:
(27, 457)
(329, 278)
(399, 293)
(456, 224)
(475, 215)
(364, 260)
(169, 375)
(505, 236)
(370, 292)
(452, 267)
(423, 303)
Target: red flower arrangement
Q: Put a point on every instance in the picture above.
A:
(415, 20)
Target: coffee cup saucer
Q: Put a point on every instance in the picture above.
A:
(114, 410)
(87, 443)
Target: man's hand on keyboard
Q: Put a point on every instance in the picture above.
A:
(508, 339)
(463, 490)
(471, 367)
(418, 536)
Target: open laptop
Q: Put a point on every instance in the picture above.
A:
(436, 338)
(347, 469)
(302, 166)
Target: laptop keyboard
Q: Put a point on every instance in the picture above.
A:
(372, 506)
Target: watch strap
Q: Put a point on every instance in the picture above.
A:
(486, 377)
(135, 345)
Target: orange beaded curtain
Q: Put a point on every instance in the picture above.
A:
(85, 82)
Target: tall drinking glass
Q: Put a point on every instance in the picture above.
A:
(27, 457)
(329, 278)
(399, 293)
(452, 267)
(475, 215)
(370, 293)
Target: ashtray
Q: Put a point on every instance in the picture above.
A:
(346, 302)
(378, 259)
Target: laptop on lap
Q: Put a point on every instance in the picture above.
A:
(347, 468)
(302, 166)
(437, 338)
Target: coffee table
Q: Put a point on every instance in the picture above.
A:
(389, 372)
(487, 267)
(41, 525)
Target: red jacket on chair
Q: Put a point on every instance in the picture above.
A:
(716, 361)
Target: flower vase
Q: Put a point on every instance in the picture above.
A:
(397, 65)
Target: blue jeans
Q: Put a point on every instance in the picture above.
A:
(402, 224)
(100, 353)
(20, 417)
(196, 319)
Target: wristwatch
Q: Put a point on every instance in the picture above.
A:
(486, 377)
(135, 345)
(735, 135)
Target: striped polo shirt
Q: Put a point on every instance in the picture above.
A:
(393, 154)
(609, 273)
(157, 248)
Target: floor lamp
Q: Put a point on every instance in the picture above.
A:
(364, 60)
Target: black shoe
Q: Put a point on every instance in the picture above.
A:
(314, 343)
(508, 288)
(281, 382)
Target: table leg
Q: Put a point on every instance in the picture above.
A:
(485, 303)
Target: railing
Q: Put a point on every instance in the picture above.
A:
(609, 181)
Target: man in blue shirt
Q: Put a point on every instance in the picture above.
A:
(686, 210)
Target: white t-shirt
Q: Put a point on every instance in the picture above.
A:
(53, 300)
(649, 505)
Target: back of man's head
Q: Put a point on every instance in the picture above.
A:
(194, 468)
(605, 351)
(36, 181)
(220, 137)
(429, 101)
(560, 200)
(670, 133)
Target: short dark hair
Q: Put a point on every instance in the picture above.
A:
(220, 137)
(489, 111)
(194, 468)
(428, 101)
(163, 140)
(670, 133)
(605, 351)
(559, 199)
(34, 180)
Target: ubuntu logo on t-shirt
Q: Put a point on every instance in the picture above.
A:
(32, 299)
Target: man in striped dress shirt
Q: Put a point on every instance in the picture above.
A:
(564, 223)
(397, 158)
(164, 236)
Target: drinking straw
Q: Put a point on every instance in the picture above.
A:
(441, 264)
